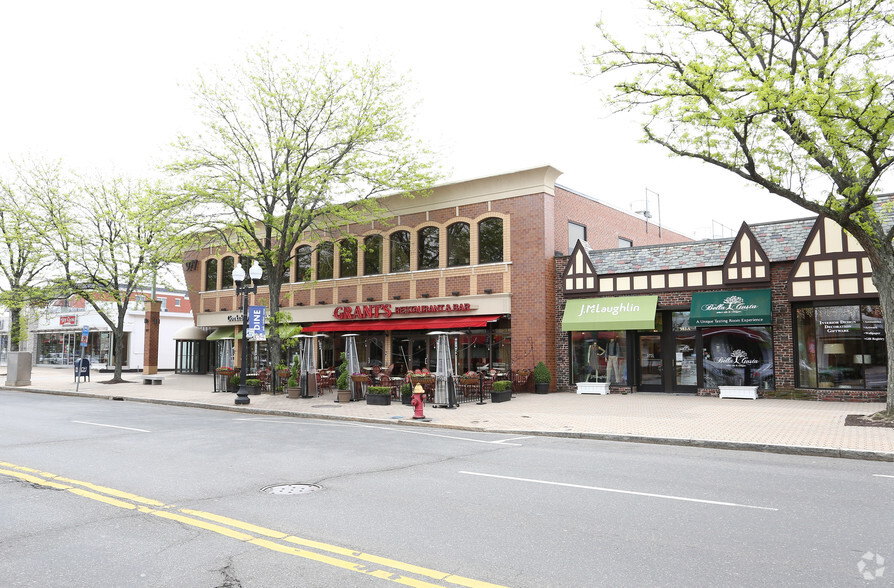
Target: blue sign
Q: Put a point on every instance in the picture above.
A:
(256, 323)
(84, 332)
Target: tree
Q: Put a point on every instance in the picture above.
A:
(112, 245)
(24, 263)
(297, 150)
(794, 96)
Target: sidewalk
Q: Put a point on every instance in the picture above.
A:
(779, 426)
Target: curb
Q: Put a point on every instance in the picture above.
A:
(859, 454)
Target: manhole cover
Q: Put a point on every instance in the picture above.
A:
(290, 488)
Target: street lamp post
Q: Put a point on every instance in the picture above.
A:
(254, 273)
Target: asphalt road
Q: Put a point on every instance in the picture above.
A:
(105, 493)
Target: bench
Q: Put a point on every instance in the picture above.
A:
(153, 380)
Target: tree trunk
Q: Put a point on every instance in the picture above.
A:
(883, 278)
(15, 328)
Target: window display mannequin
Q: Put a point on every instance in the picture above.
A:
(613, 350)
(594, 352)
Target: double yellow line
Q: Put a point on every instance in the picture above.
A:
(324, 553)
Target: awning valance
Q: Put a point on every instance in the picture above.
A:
(741, 307)
(221, 333)
(446, 323)
(610, 314)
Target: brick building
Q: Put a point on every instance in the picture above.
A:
(785, 308)
(475, 258)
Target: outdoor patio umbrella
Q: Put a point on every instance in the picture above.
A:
(445, 387)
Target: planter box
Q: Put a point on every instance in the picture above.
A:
(747, 392)
(504, 396)
(344, 396)
(378, 399)
(293, 392)
(406, 399)
(592, 388)
(541, 388)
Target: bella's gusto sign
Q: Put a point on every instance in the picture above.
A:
(376, 311)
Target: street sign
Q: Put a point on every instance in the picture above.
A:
(84, 332)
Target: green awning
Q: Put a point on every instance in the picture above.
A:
(720, 309)
(221, 333)
(610, 314)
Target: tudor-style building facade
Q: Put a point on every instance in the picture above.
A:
(787, 308)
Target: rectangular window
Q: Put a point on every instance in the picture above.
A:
(622, 243)
(575, 232)
(841, 347)
(738, 356)
(599, 356)
(176, 302)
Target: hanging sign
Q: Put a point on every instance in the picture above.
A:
(84, 332)
(256, 316)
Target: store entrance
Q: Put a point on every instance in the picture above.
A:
(666, 357)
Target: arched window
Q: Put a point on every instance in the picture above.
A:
(226, 272)
(347, 258)
(490, 240)
(325, 259)
(211, 274)
(303, 262)
(458, 244)
(400, 251)
(372, 255)
(428, 238)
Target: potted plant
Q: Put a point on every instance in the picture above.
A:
(253, 385)
(222, 378)
(234, 383)
(292, 388)
(344, 395)
(406, 394)
(502, 391)
(542, 378)
(380, 395)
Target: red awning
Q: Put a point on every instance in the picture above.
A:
(420, 324)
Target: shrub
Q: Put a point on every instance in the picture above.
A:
(342, 381)
(378, 390)
(406, 388)
(293, 375)
(252, 382)
(541, 374)
(502, 385)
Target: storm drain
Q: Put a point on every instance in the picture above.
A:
(290, 488)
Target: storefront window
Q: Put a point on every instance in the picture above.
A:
(841, 347)
(62, 348)
(599, 356)
(738, 356)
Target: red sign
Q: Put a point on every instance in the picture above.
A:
(68, 319)
(375, 311)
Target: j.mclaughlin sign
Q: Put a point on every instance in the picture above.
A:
(383, 311)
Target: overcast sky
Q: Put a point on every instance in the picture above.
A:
(105, 85)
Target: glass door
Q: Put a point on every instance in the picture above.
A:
(685, 362)
(651, 363)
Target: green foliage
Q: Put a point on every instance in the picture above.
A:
(502, 385)
(541, 374)
(378, 390)
(406, 388)
(342, 382)
(252, 382)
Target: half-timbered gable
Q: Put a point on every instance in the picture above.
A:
(746, 261)
(831, 265)
(579, 273)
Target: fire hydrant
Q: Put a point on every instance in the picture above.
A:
(418, 401)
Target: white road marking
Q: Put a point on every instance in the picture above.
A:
(111, 426)
(617, 491)
(392, 429)
(882, 476)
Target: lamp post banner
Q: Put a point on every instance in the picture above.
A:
(256, 316)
